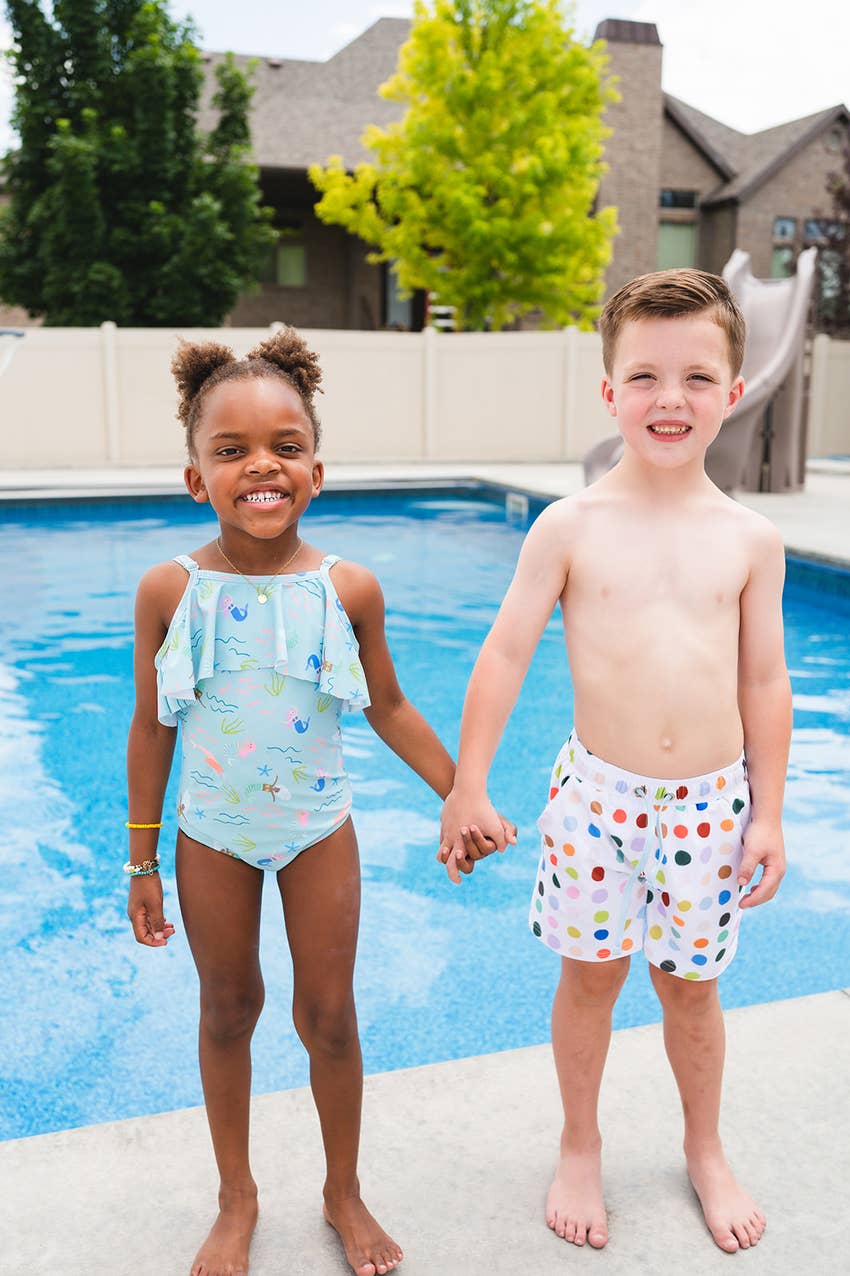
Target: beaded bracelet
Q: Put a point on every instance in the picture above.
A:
(144, 869)
(128, 825)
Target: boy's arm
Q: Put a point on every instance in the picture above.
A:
(764, 700)
(150, 748)
(500, 669)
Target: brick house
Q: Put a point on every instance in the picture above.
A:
(688, 189)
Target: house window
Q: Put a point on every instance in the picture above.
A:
(784, 229)
(291, 265)
(677, 244)
(398, 310)
(678, 199)
(821, 230)
(782, 262)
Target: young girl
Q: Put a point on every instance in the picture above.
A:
(255, 643)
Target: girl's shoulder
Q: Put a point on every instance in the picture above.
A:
(358, 588)
(161, 589)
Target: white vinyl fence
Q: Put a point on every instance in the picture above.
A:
(104, 396)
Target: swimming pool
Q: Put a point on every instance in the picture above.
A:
(97, 1028)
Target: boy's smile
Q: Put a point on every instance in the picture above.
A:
(671, 386)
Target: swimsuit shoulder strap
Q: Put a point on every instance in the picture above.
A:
(186, 562)
(328, 562)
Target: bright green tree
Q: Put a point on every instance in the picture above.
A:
(483, 192)
(119, 209)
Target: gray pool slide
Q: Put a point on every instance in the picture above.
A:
(762, 445)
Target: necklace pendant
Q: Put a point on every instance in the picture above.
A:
(262, 597)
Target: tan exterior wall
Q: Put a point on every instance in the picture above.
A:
(683, 167)
(633, 156)
(90, 397)
(797, 190)
(718, 231)
(341, 291)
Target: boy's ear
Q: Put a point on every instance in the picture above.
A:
(608, 396)
(735, 391)
(195, 484)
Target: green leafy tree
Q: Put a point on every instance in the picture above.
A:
(832, 311)
(483, 192)
(119, 209)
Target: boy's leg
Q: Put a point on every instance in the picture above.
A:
(220, 904)
(695, 1039)
(581, 1032)
(321, 903)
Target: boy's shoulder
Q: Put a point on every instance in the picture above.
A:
(754, 528)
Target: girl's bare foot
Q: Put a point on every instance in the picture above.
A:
(225, 1251)
(575, 1209)
(368, 1249)
(731, 1214)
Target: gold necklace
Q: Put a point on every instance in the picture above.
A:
(262, 591)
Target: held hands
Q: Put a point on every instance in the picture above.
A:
(464, 840)
(763, 844)
(144, 909)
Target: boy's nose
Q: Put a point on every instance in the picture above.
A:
(670, 396)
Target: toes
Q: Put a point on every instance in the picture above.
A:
(364, 1267)
(569, 1232)
(726, 1240)
(597, 1237)
(740, 1232)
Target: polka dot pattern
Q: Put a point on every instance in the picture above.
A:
(649, 864)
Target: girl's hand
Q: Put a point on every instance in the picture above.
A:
(144, 909)
(463, 840)
(475, 847)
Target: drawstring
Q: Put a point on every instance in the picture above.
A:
(654, 842)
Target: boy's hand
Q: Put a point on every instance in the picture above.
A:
(144, 909)
(461, 843)
(763, 844)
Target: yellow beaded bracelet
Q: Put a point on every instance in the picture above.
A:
(128, 825)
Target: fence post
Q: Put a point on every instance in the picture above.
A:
(429, 390)
(568, 397)
(111, 401)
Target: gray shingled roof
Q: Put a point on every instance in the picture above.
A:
(748, 159)
(302, 112)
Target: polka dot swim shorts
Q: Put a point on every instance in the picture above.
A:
(631, 862)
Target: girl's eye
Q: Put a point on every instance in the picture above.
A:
(289, 447)
(226, 451)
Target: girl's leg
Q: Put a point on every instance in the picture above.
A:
(581, 1032)
(695, 1039)
(220, 903)
(321, 904)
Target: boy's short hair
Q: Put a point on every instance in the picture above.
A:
(666, 294)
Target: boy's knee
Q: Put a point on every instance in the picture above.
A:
(230, 1011)
(594, 982)
(325, 1027)
(676, 993)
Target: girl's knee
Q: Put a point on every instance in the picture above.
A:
(230, 1010)
(326, 1027)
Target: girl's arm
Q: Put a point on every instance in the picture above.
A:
(391, 715)
(764, 702)
(150, 748)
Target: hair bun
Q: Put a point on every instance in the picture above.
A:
(194, 364)
(286, 350)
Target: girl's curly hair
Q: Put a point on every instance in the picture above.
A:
(200, 367)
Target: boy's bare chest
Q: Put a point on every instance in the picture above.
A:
(628, 567)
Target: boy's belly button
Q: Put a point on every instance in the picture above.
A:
(666, 743)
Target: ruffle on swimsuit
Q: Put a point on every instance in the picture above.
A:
(311, 637)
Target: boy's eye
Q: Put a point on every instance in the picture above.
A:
(700, 376)
(642, 376)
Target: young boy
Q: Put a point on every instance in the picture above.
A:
(671, 600)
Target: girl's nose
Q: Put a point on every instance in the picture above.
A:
(264, 463)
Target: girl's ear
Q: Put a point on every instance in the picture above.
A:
(608, 396)
(194, 483)
(318, 477)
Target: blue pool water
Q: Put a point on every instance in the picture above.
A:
(96, 1028)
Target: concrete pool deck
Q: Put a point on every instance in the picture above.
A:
(456, 1159)
(456, 1156)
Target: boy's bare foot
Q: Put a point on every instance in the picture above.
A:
(575, 1209)
(225, 1251)
(731, 1214)
(367, 1247)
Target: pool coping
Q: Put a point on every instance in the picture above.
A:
(456, 1160)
